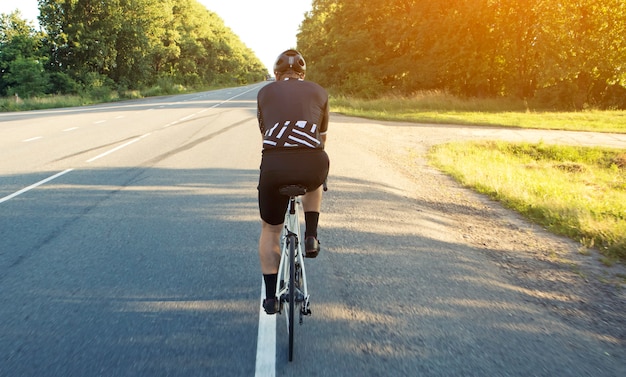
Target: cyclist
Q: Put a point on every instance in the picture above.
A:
(293, 120)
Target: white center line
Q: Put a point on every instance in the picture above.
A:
(231, 98)
(70, 129)
(99, 122)
(32, 139)
(117, 148)
(9, 197)
(170, 124)
(266, 342)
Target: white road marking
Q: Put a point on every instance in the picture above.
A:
(202, 111)
(32, 139)
(266, 342)
(99, 122)
(231, 98)
(70, 129)
(20, 192)
(117, 148)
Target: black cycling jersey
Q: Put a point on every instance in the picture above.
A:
(294, 114)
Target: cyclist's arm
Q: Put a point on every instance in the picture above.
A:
(259, 117)
(324, 123)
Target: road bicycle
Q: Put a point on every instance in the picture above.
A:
(292, 293)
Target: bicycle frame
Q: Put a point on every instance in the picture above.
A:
(292, 293)
(292, 226)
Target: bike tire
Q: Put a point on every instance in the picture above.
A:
(292, 292)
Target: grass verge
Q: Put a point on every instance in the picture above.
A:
(41, 103)
(573, 191)
(439, 108)
(101, 96)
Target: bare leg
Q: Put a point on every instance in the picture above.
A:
(312, 200)
(269, 247)
(269, 242)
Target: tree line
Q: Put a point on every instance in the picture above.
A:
(91, 45)
(565, 53)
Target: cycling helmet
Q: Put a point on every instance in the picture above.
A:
(290, 60)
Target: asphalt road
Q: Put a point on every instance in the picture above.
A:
(128, 236)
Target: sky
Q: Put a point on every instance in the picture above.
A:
(267, 27)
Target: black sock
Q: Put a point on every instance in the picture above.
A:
(310, 220)
(270, 285)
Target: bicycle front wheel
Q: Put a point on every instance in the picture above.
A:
(292, 291)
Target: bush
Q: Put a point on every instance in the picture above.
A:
(26, 78)
(165, 84)
(561, 96)
(567, 95)
(614, 98)
(97, 86)
(362, 86)
(62, 83)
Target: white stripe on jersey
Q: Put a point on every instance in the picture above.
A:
(269, 132)
(280, 134)
(307, 136)
(299, 133)
(302, 142)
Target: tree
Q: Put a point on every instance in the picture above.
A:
(589, 44)
(514, 48)
(83, 36)
(21, 57)
(136, 43)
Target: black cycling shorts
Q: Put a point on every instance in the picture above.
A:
(279, 168)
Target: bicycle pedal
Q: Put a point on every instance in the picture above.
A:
(284, 298)
(306, 309)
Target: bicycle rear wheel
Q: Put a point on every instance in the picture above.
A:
(292, 291)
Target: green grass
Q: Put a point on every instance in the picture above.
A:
(573, 191)
(98, 96)
(11, 104)
(438, 108)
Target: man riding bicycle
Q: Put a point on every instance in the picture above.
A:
(293, 120)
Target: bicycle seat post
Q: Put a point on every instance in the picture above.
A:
(292, 205)
(292, 191)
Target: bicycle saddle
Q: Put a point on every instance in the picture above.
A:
(292, 190)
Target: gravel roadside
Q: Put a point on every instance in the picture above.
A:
(551, 269)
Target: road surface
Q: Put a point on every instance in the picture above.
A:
(128, 236)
